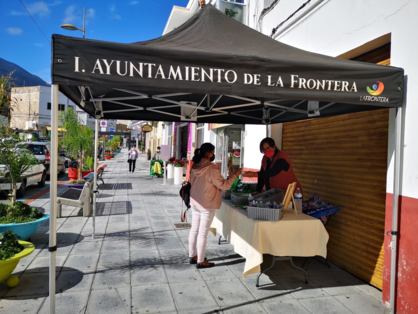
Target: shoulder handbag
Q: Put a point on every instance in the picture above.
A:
(185, 197)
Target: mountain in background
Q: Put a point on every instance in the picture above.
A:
(20, 77)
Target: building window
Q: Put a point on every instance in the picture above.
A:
(61, 107)
(235, 9)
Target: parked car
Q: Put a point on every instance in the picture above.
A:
(34, 175)
(66, 159)
(41, 150)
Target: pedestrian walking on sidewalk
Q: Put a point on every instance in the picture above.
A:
(132, 157)
(207, 184)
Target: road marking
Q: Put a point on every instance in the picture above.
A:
(44, 190)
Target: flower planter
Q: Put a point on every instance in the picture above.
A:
(170, 171)
(26, 229)
(85, 173)
(7, 266)
(72, 173)
(107, 157)
(178, 175)
(75, 186)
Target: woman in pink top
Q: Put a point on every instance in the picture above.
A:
(205, 197)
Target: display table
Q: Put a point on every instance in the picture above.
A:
(294, 235)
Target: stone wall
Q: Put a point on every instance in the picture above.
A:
(26, 106)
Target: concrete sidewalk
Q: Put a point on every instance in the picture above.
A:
(138, 263)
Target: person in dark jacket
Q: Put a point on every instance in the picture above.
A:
(133, 156)
(276, 170)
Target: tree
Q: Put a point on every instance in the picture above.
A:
(6, 101)
(77, 138)
(16, 161)
(115, 142)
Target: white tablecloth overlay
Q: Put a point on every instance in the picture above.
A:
(294, 235)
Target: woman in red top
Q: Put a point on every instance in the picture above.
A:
(276, 170)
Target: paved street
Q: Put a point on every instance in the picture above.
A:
(138, 263)
(32, 190)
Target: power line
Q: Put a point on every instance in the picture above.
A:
(35, 22)
(69, 19)
(273, 31)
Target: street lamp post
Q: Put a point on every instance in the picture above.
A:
(71, 27)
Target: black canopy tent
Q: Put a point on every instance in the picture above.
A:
(212, 69)
(226, 70)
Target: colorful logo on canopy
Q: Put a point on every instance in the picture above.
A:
(376, 89)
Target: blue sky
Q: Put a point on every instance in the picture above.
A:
(118, 21)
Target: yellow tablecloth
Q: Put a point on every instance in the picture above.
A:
(294, 235)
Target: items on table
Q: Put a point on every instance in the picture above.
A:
(318, 208)
(298, 201)
(266, 206)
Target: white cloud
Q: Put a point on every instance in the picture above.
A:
(53, 4)
(69, 14)
(14, 30)
(113, 14)
(133, 2)
(74, 15)
(91, 13)
(39, 8)
(17, 12)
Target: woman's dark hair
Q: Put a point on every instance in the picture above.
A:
(199, 153)
(269, 141)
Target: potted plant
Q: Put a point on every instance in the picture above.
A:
(21, 218)
(15, 161)
(90, 163)
(108, 156)
(77, 138)
(72, 170)
(170, 167)
(11, 251)
(178, 170)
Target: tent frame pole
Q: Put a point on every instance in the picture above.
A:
(96, 151)
(395, 209)
(53, 196)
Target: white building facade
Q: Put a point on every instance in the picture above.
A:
(32, 109)
(377, 31)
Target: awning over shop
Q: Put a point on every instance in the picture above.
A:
(214, 69)
(48, 128)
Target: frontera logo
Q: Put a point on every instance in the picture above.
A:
(376, 89)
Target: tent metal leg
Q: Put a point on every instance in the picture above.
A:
(96, 151)
(394, 232)
(53, 196)
(281, 258)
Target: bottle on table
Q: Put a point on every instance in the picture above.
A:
(240, 187)
(298, 201)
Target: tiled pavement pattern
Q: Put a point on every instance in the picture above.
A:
(138, 264)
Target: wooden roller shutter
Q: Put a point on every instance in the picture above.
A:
(343, 159)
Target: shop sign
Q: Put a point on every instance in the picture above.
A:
(146, 128)
(236, 153)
